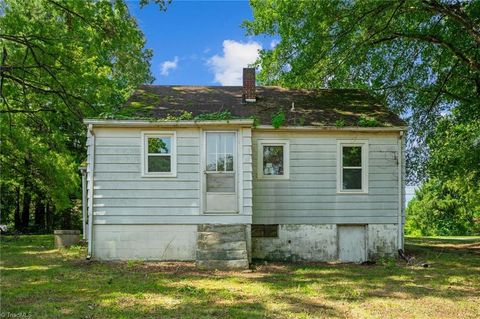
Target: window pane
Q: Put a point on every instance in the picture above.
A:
(273, 160)
(220, 163)
(221, 143)
(229, 162)
(352, 156)
(220, 183)
(212, 162)
(352, 178)
(211, 143)
(159, 164)
(230, 142)
(159, 145)
(220, 149)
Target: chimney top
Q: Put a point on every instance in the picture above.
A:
(249, 94)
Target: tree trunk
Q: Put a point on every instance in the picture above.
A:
(27, 198)
(27, 195)
(67, 219)
(16, 218)
(50, 211)
(40, 215)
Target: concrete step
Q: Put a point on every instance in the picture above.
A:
(221, 254)
(223, 264)
(221, 228)
(213, 237)
(234, 245)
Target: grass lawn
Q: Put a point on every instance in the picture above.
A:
(47, 283)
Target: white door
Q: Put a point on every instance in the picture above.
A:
(351, 243)
(220, 178)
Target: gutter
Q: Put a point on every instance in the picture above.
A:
(143, 123)
(90, 171)
(333, 128)
(400, 193)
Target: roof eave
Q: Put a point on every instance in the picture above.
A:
(143, 123)
(335, 128)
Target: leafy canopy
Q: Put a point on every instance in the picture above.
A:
(421, 56)
(61, 61)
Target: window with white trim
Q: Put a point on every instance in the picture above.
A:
(159, 154)
(273, 159)
(352, 167)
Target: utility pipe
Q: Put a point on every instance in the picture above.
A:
(400, 193)
(83, 171)
(91, 170)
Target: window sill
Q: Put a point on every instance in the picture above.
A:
(352, 192)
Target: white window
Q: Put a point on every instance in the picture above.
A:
(273, 159)
(159, 154)
(352, 167)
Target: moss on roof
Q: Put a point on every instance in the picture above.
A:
(301, 107)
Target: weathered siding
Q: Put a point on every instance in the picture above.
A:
(123, 196)
(309, 196)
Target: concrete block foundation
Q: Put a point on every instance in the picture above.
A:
(319, 242)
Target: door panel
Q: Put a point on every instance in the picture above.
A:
(352, 243)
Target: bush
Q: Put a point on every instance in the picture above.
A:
(444, 209)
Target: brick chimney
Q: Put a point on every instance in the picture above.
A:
(249, 94)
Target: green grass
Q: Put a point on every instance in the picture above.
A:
(47, 283)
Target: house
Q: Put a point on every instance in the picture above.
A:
(224, 175)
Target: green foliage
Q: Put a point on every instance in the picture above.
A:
(420, 57)
(444, 209)
(61, 61)
(214, 116)
(339, 123)
(278, 119)
(449, 203)
(184, 116)
(367, 122)
(256, 121)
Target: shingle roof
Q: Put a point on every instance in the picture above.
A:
(310, 107)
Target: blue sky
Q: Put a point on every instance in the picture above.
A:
(199, 42)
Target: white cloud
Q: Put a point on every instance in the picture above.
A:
(274, 43)
(168, 65)
(228, 67)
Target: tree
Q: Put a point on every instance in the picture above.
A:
(444, 208)
(421, 56)
(60, 61)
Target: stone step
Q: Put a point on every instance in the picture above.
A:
(213, 237)
(221, 254)
(209, 245)
(223, 264)
(221, 228)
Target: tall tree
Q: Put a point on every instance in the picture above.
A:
(60, 61)
(421, 56)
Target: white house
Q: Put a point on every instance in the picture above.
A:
(201, 173)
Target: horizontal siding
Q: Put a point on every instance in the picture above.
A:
(121, 191)
(324, 220)
(310, 196)
(173, 219)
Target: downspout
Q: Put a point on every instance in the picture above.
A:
(91, 170)
(83, 171)
(400, 194)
